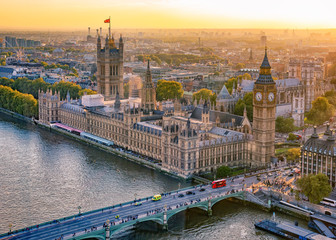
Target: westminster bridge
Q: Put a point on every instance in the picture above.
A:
(103, 223)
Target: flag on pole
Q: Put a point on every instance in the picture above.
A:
(107, 21)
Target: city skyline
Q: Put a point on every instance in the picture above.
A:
(75, 15)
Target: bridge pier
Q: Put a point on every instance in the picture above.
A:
(209, 207)
(107, 230)
(165, 222)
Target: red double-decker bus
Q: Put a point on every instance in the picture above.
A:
(219, 183)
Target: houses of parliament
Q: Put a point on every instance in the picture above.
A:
(186, 139)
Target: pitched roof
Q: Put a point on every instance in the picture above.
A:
(224, 93)
(265, 76)
(224, 117)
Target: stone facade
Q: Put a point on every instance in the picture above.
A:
(264, 104)
(185, 139)
(318, 155)
(311, 73)
(291, 91)
(110, 70)
(49, 104)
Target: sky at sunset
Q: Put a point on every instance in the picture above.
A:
(79, 14)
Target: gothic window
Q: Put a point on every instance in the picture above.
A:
(110, 70)
(117, 70)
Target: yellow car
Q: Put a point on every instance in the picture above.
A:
(156, 197)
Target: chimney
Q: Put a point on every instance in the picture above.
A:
(101, 31)
(89, 31)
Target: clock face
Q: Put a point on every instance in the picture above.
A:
(271, 97)
(258, 96)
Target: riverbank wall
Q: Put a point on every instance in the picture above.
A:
(102, 147)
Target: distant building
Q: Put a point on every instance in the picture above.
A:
(318, 155)
(311, 73)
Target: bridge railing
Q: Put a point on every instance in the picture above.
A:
(115, 222)
(75, 216)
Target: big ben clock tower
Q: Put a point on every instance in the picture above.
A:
(264, 103)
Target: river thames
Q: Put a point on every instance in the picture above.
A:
(45, 176)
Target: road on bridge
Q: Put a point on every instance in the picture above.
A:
(94, 220)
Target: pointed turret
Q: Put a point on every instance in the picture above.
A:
(148, 98)
(112, 43)
(106, 42)
(265, 75)
(117, 102)
(68, 96)
(98, 42)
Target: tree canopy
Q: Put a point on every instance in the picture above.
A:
(223, 172)
(166, 90)
(284, 125)
(24, 104)
(229, 84)
(247, 102)
(320, 112)
(205, 94)
(25, 85)
(315, 187)
(177, 59)
(293, 154)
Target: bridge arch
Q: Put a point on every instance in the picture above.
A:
(155, 219)
(92, 237)
(239, 195)
(181, 209)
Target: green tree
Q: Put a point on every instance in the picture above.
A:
(6, 82)
(87, 91)
(206, 95)
(223, 172)
(315, 187)
(293, 154)
(246, 76)
(320, 112)
(331, 97)
(166, 90)
(63, 87)
(247, 102)
(229, 84)
(24, 104)
(284, 125)
(239, 66)
(291, 137)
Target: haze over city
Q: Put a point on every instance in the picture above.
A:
(77, 14)
(167, 119)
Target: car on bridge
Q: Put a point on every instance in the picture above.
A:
(156, 197)
(181, 195)
(202, 190)
(190, 193)
(138, 204)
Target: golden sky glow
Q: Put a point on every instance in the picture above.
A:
(79, 14)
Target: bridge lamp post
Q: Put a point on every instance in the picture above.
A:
(107, 230)
(135, 195)
(79, 210)
(10, 227)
